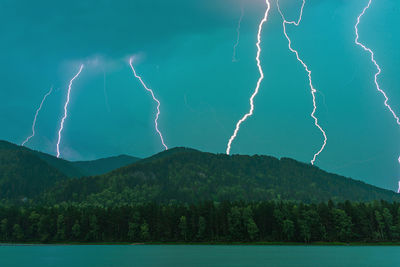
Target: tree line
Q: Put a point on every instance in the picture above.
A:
(270, 221)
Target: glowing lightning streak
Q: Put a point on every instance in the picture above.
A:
(250, 113)
(154, 98)
(379, 71)
(398, 190)
(313, 90)
(375, 63)
(36, 115)
(234, 59)
(66, 110)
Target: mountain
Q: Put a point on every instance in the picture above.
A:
(23, 174)
(87, 168)
(188, 176)
(105, 165)
(27, 173)
(169, 153)
(77, 168)
(180, 175)
(66, 167)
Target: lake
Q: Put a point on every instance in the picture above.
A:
(181, 255)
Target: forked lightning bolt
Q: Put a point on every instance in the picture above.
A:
(250, 113)
(313, 90)
(234, 59)
(66, 110)
(155, 100)
(398, 190)
(36, 115)
(379, 71)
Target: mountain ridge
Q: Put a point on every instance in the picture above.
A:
(19, 166)
(104, 165)
(186, 175)
(181, 175)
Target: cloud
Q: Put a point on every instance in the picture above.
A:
(77, 29)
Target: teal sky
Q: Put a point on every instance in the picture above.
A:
(184, 52)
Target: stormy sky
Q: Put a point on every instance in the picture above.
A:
(183, 50)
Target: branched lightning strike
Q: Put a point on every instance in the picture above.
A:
(398, 190)
(36, 115)
(313, 90)
(379, 70)
(234, 59)
(66, 110)
(250, 113)
(154, 98)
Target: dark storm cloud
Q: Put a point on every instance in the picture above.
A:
(186, 48)
(79, 29)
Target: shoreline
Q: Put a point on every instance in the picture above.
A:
(354, 244)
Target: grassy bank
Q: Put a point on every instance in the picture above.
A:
(209, 243)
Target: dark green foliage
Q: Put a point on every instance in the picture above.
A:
(24, 175)
(87, 168)
(189, 176)
(188, 196)
(178, 175)
(67, 168)
(204, 222)
(101, 166)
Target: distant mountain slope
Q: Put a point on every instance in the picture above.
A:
(105, 165)
(168, 153)
(66, 167)
(78, 168)
(23, 174)
(186, 175)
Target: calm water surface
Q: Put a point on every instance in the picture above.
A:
(174, 256)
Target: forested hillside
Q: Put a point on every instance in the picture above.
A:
(186, 195)
(179, 175)
(105, 165)
(189, 176)
(24, 175)
(271, 221)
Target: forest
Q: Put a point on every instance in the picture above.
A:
(184, 195)
(205, 222)
(189, 176)
(180, 175)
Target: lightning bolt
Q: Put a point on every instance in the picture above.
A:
(66, 110)
(379, 70)
(250, 113)
(313, 90)
(36, 115)
(398, 190)
(234, 59)
(155, 100)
